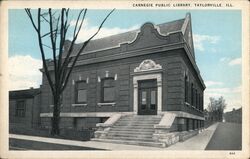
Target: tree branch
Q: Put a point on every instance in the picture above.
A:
(27, 10)
(84, 45)
(71, 48)
(47, 46)
(42, 52)
(53, 49)
(44, 18)
(63, 32)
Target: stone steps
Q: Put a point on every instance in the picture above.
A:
(141, 130)
(135, 130)
(130, 142)
(138, 121)
(131, 132)
(133, 138)
(135, 125)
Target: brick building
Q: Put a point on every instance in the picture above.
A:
(147, 75)
(234, 116)
(24, 108)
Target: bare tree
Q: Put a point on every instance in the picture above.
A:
(58, 24)
(216, 108)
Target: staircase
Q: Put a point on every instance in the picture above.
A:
(134, 130)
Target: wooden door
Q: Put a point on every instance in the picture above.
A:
(147, 97)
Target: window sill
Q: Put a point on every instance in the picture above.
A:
(79, 105)
(105, 104)
(52, 106)
(187, 104)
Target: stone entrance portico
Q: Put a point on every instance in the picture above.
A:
(147, 70)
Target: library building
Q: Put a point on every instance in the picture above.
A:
(140, 87)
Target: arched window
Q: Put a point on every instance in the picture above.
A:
(108, 90)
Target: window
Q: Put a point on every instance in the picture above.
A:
(108, 90)
(20, 109)
(192, 94)
(81, 92)
(144, 100)
(202, 102)
(199, 102)
(186, 89)
(196, 99)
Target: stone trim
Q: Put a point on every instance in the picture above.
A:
(79, 105)
(186, 115)
(106, 104)
(52, 105)
(89, 114)
(184, 26)
(133, 53)
(158, 77)
(113, 118)
(166, 121)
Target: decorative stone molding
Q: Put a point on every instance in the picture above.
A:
(106, 74)
(80, 79)
(147, 65)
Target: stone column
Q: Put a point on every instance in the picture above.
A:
(135, 84)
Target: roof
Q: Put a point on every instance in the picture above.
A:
(127, 37)
(27, 93)
(239, 110)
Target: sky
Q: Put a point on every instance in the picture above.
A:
(216, 36)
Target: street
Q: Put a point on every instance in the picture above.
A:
(227, 136)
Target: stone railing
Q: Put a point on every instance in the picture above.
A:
(163, 129)
(103, 128)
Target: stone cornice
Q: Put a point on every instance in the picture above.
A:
(128, 54)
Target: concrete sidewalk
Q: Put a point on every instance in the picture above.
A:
(93, 144)
(198, 142)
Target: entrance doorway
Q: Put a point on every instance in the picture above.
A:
(147, 97)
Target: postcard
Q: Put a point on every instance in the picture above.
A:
(124, 79)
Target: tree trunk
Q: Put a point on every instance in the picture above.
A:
(56, 116)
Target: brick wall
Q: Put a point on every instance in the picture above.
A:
(32, 112)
